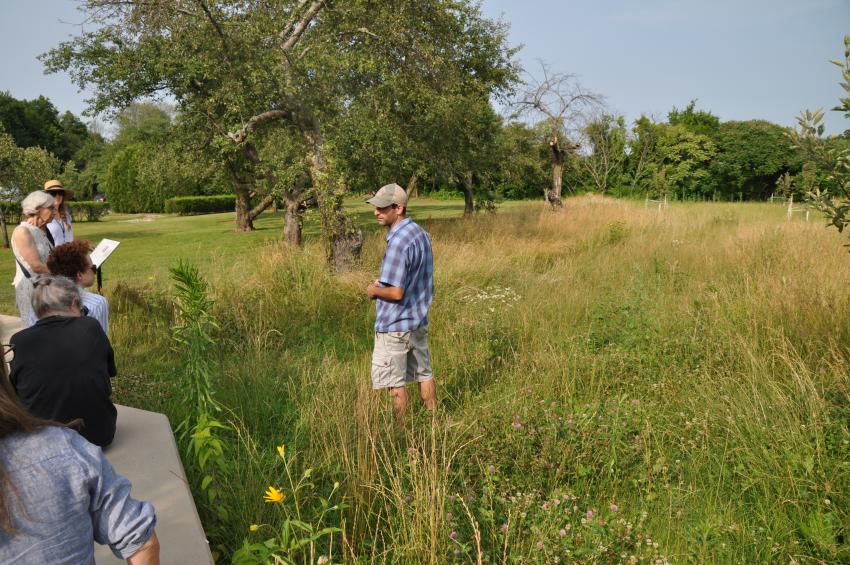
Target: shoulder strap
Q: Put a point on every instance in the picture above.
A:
(49, 235)
(23, 269)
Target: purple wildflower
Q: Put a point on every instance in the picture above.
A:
(453, 535)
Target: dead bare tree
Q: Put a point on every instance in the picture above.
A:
(558, 100)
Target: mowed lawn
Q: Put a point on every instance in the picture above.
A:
(151, 243)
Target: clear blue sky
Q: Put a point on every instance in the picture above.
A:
(741, 59)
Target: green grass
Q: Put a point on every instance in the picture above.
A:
(151, 243)
(614, 383)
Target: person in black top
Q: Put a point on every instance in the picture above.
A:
(62, 365)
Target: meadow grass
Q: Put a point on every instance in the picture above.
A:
(152, 243)
(616, 385)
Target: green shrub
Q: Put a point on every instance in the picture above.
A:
(141, 177)
(87, 210)
(446, 194)
(121, 185)
(191, 205)
(12, 210)
(82, 211)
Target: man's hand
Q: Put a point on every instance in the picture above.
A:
(370, 290)
(391, 293)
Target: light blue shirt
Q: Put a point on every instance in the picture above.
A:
(409, 264)
(98, 308)
(68, 497)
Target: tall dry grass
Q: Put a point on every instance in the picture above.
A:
(679, 377)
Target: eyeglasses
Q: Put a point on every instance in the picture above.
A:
(91, 268)
(56, 192)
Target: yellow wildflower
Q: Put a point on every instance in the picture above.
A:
(253, 527)
(281, 450)
(273, 495)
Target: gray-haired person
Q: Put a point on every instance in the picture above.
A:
(62, 365)
(31, 247)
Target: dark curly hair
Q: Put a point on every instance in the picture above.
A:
(69, 258)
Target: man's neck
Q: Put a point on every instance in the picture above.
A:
(398, 220)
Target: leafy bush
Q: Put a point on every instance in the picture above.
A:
(141, 177)
(11, 209)
(446, 194)
(87, 210)
(191, 205)
(82, 211)
(121, 182)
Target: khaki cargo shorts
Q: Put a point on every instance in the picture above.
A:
(400, 357)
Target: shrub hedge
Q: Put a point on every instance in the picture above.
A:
(11, 209)
(81, 211)
(192, 205)
(87, 210)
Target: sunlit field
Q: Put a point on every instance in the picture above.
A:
(616, 383)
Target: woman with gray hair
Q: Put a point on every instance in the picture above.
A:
(63, 365)
(31, 248)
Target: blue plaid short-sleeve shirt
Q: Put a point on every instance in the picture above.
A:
(408, 264)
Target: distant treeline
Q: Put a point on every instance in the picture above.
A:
(153, 157)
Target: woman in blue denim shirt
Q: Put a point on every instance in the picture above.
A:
(59, 494)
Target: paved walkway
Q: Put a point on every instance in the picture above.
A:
(145, 452)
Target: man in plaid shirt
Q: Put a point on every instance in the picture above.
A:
(403, 294)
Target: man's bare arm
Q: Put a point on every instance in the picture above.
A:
(391, 293)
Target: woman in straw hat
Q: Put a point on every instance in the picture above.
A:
(60, 227)
(31, 249)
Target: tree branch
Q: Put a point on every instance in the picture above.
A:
(261, 206)
(301, 26)
(213, 21)
(242, 133)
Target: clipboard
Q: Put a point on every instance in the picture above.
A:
(102, 252)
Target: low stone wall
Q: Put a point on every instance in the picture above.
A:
(145, 452)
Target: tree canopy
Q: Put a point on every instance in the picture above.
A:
(237, 67)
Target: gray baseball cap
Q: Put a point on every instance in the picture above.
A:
(388, 195)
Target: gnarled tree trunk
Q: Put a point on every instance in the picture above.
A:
(243, 190)
(344, 239)
(245, 214)
(412, 186)
(467, 185)
(558, 156)
(4, 227)
(292, 221)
